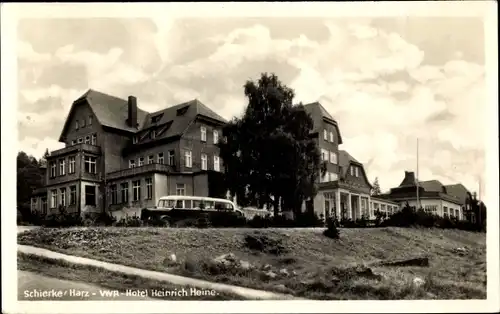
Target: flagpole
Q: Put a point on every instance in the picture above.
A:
(417, 183)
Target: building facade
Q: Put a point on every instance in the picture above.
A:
(442, 200)
(120, 158)
(344, 192)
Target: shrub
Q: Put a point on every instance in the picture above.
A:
(129, 221)
(227, 220)
(264, 244)
(260, 222)
(331, 229)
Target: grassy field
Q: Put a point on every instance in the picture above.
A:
(103, 278)
(317, 267)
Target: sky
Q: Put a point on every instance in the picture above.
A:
(386, 80)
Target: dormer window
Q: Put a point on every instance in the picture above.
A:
(325, 135)
(356, 171)
(134, 140)
(216, 136)
(157, 118)
(77, 125)
(83, 123)
(331, 137)
(131, 163)
(182, 111)
(352, 171)
(152, 134)
(90, 120)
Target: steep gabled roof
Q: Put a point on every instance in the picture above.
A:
(345, 160)
(458, 190)
(112, 112)
(109, 110)
(317, 113)
(180, 116)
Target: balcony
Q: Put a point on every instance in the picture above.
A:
(77, 147)
(129, 172)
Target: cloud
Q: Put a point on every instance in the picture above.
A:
(377, 81)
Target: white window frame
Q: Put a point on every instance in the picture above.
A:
(90, 120)
(134, 139)
(216, 163)
(352, 171)
(204, 162)
(92, 161)
(188, 159)
(136, 190)
(77, 125)
(216, 136)
(161, 158)
(334, 176)
(87, 139)
(124, 186)
(53, 198)
(62, 167)
(71, 164)
(203, 136)
(356, 171)
(171, 157)
(325, 135)
(151, 159)
(180, 189)
(53, 169)
(93, 140)
(62, 199)
(72, 195)
(140, 162)
(331, 137)
(149, 188)
(131, 163)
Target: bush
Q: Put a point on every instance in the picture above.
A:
(227, 220)
(129, 221)
(331, 229)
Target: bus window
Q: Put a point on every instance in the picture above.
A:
(179, 204)
(198, 204)
(188, 204)
(209, 205)
(223, 206)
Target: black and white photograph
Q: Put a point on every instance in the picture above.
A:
(237, 152)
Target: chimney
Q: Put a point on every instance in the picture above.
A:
(132, 111)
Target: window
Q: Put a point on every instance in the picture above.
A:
(90, 164)
(152, 134)
(216, 163)
(151, 159)
(149, 188)
(216, 137)
(94, 139)
(62, 167)
(33, 204)
(324, 154)
(77, 126)
(356, 171)
(124, 192)
(131, 163)
(445, 211)
(80, 140)
(333, 176)
(160, 158)
(182, 111)
(171, 157)
(331, 137)
(44, 205)
(156, 118)
(457, 213)
(72, 195)
(53, 172)
(136, 189)
(73, 142)
(333, 157)
(62, 200)
(113, 194)
(325, 135)
(83, 123)
(87, 139)
(203, 134)
(188, 159)
(53, 199)
(180, 189)
(90, 120)
(352, 171)
(432, 209)
(71, 165)
(90, 197)
(204, 162)
(141, 162)
(134, 140)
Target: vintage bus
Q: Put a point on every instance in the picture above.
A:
(175, 208)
